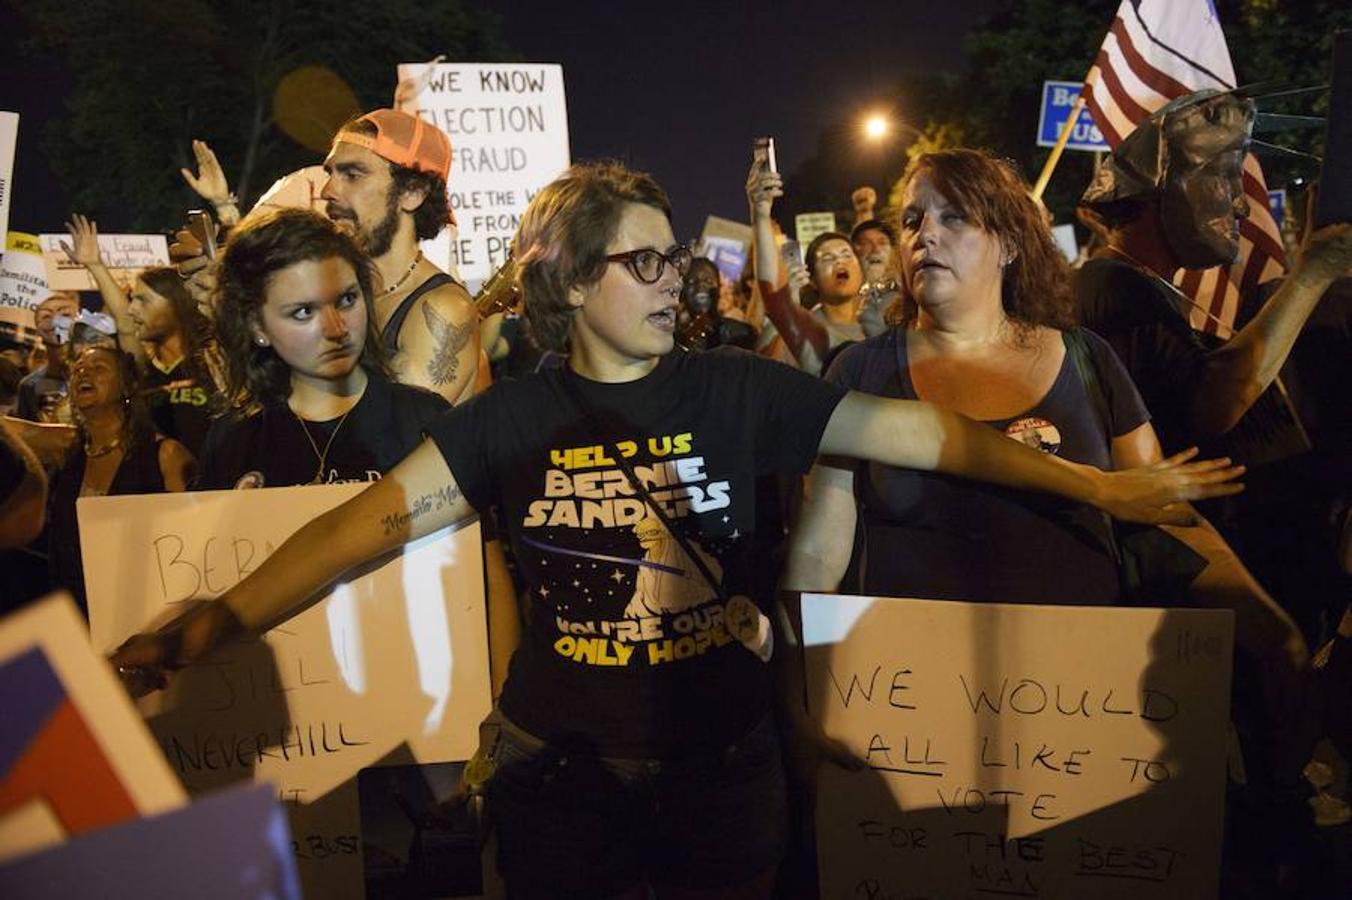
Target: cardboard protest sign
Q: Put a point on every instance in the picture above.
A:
(9, 139)
(508, 125)
(1032, 751)
(388, 668)
(1064, 236)
(74, 754)
(231, 845)
(296, 190)
(726, 244)
(23, 285)
(807, 226)
(125, 255)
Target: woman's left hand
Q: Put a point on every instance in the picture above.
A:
(1157, 494)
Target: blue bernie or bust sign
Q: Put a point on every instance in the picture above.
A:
(1058, 98)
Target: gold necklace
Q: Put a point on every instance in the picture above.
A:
(322, 457)
(402, 278)
(107, 448)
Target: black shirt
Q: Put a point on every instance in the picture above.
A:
(626, 651)
(940, 537)
(270, 448)
(1137, 314)
(182, 402)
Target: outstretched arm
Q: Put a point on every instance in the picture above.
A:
(1237, 373)
(415, 498)
(915, 435)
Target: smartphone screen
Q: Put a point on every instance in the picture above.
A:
(764, 149)
(204, 229)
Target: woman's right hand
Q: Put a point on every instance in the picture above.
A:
(1158, 494)
(146, 660)
(762, 187)
(84, 246)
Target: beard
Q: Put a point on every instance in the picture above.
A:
(376, 241)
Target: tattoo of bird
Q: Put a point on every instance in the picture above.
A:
(448, 339)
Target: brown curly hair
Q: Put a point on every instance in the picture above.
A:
(562, 241)
(989, 191)
(258, 248)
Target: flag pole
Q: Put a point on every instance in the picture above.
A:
(1060, 147)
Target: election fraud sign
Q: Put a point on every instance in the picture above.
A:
(508, 125)
(1056, 752)
(23, 285)
(387, 668)
(125, 255)
(1058, 98)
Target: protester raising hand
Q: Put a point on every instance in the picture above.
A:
(83, 249)
(210, 184)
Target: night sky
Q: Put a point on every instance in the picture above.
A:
(677, 89)
(680, 90)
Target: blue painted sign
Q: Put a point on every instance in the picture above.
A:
(1058, 97)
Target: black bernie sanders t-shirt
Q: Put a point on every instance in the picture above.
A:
(628, 650)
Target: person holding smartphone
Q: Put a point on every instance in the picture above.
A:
(833, 274)
(635, 749)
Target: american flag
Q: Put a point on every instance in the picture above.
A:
(1156, 51)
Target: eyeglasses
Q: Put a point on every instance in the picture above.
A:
(830, 259)
(647, 264)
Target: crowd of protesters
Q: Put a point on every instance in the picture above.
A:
(929, 349)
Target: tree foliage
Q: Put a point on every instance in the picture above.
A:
(994, 102)
(151, 76)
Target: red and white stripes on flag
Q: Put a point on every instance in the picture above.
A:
(1156, 51)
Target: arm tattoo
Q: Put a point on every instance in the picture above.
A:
(448, 340)
(401, 519)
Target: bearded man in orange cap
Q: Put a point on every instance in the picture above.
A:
(387, 185)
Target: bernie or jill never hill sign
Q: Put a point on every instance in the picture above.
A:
(388, 668)
(1019, 751)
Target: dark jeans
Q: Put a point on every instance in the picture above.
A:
(577, 825)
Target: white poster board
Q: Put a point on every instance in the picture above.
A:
(23, 285)
(1025, 751)
(508, 125)
(125, 255)
(807, 226)
(389, 668)
(9, 140)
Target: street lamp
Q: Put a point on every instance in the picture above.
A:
(875, 127)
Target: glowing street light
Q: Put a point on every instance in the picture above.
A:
(875, 127)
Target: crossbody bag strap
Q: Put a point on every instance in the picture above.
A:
(570, 388)
(1078, 348)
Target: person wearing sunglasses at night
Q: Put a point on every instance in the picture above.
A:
(635, 747)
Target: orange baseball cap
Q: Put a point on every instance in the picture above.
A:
(405, 140)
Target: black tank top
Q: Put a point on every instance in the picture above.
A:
(139, 473)
(390, 335)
